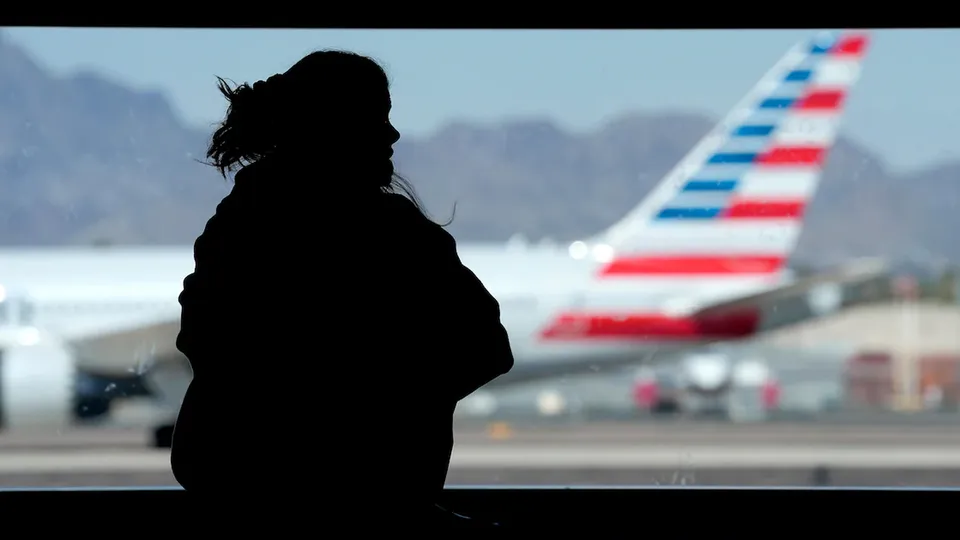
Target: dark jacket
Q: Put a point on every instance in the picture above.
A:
(344, 331)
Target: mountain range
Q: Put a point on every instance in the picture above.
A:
(84, 159)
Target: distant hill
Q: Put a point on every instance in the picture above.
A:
(84, 159)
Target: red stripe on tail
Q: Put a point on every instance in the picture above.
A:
(792, 155)
(821, 100)
(850, 45)
(765, 209)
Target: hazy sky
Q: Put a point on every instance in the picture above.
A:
(905, 105)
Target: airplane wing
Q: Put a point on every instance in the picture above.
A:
(147, 348)
(133, 346)
(778, 307)
(806, 298)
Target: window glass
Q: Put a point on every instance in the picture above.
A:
(685, 230)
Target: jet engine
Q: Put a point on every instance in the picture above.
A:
(705, 378)
(37, 380)
(707, 373)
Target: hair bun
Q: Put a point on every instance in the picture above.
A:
(273, 85)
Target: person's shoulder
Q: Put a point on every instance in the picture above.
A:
(238, 212)
(404, 216)
(257, 182)
(230, 210)
(398, 206)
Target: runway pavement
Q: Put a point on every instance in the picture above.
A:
(85, 438)
(712, 454)
(568, 434)
(544, 457)
(712, 434)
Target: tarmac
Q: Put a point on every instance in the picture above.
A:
(603, 454)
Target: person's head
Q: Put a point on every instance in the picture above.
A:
(330, 110)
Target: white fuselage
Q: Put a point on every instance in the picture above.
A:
(79, 292)
(75, 292)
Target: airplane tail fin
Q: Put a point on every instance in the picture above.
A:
(734, 205)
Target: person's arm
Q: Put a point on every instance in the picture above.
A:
(469, 344)
(439, 310)
(482, 339)
(209, 296)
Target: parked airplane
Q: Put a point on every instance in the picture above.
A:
(698, 260)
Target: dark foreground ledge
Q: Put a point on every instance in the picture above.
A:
(685, 510)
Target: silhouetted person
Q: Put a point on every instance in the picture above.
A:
(330, 325)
